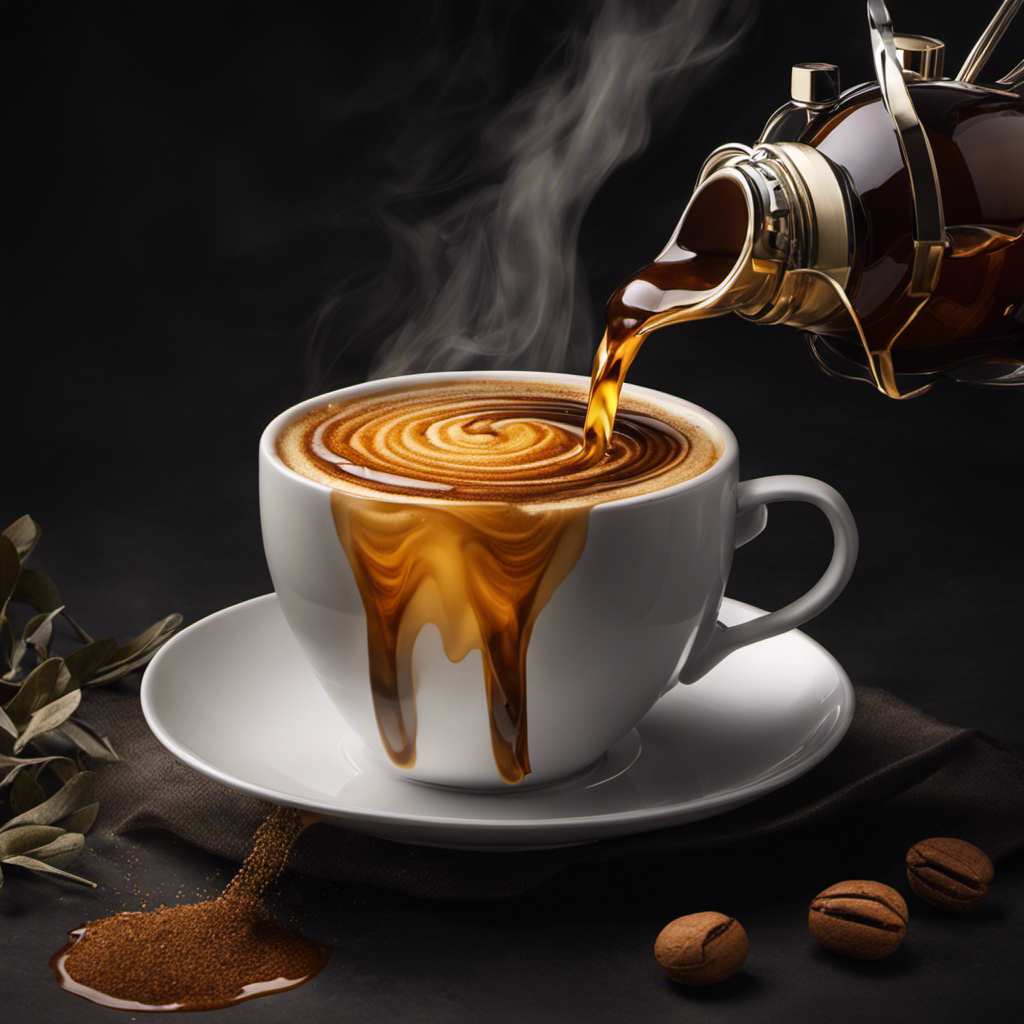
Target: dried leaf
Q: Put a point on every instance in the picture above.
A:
(89, 658)
(38, 631)
(81, 820)
(24, 534)
(37, 590)
(65, 684)
(13, 674)
(88, 740)
(26, 793)
(48, 717)
(62, 852)
(23, 762)
(6, 638)
(26, 839)
(149, 636)
(145, 641)
(35, 637)
(46, 834)
(120, 669)
(42, 868)
(62, 766)
(72, 796)
(137, 652)
(65, 768)
(42, 684)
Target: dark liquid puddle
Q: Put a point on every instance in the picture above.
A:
(253, 990)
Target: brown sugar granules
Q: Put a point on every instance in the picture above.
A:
(203, 955)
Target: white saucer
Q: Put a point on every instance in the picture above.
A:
(233, 697)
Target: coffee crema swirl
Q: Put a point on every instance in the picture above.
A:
(482, 443)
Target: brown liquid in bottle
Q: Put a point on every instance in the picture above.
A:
(977, 141)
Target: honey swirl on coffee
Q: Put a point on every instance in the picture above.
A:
(483, 444)
(503, 490)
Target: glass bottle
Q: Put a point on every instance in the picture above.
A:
(887, 221)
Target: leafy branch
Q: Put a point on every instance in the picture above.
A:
(47, 794)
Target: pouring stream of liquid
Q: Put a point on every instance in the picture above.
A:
(666, 292)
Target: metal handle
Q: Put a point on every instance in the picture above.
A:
(929, 222)
(1014, 76)
(986, 44)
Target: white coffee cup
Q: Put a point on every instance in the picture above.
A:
(637, 613)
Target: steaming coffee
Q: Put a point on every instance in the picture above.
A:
(440, 515)
(503, 487)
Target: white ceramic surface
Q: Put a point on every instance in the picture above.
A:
(233, 697)
(637, 612)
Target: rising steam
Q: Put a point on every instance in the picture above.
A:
(493, 281)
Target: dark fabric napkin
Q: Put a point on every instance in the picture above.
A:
(898, 771)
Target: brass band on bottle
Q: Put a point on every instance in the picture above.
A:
(800, 220)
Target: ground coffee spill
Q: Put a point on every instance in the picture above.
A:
(200, 956)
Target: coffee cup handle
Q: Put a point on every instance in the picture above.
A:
(749, 495)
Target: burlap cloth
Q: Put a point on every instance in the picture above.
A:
(897, 771)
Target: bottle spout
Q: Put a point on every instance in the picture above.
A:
(711, 264)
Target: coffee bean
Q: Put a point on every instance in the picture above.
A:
(866, 920)
(701, 949)
(949, 873)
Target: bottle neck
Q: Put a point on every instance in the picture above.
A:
(798, 221)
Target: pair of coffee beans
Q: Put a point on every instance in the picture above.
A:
(861, 919)
(868, 920)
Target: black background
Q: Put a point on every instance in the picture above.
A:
(185, 178)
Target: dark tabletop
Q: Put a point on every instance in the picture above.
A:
(176, 243)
